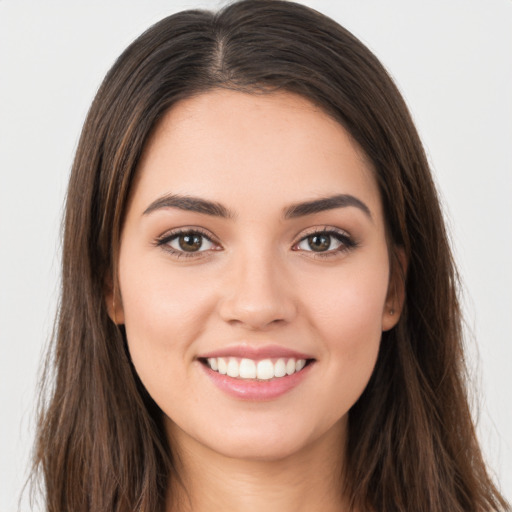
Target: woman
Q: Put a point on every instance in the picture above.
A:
(259, 304)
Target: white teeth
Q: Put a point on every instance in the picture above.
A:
(247, 369)
(280, 368)
(222, 366)
(233, 368)
(265, 369)
(290, 366)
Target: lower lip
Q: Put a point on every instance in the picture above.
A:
(257, 390)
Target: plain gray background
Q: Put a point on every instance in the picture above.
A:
(452, 59)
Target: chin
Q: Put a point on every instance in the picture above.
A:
(259, 453)
(270, 449)
(263, 441)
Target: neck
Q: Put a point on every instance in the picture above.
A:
(308, 480)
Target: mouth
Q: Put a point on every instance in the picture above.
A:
(256, 370)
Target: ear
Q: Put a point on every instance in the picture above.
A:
(113, 302)
(396, 289)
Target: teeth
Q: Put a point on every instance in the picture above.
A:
(265, 369)
(290, 366)
(222, 366)
(299, 365)
(247, 369)
(280, 368)
(233, 368)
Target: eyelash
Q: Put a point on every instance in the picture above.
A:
(347, 243)
(168, 237)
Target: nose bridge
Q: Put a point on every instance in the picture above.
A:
(257, 294)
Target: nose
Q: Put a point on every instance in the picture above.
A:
(258, 295)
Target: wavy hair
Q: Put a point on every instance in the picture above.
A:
(101, 445)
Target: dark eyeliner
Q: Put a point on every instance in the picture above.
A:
(163, 242)
(347, 242)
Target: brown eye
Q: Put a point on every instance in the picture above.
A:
(319, 243)
(329, 242)
(188, 242)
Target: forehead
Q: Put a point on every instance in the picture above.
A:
(260, 149)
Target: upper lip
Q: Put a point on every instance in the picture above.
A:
(256, 353)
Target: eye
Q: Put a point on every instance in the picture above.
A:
(325, 241)
(186, 243)
(190, 242)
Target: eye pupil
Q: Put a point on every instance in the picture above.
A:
(190, 242)
(319, 243)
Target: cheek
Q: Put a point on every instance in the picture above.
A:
(157, 298)
(346, 311)
(351, 300)
(164, 313)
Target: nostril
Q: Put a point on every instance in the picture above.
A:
(257, 314)
(256, 295)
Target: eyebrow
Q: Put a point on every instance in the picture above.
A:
(207, 207)
(191, 204)
(326, 203)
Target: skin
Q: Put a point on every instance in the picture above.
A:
(257, 282)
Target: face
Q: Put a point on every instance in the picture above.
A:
(253, 274)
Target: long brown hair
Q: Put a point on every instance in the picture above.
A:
(101, 445)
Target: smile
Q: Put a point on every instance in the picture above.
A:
(264, 369)
(256, 373)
